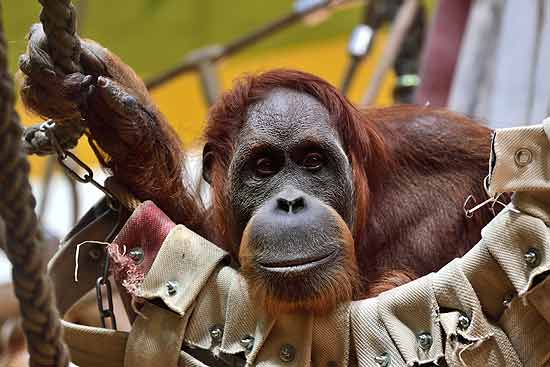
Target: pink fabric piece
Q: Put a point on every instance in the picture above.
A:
(147, 228)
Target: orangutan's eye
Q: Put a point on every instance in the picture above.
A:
(265, 166)
(313, 161)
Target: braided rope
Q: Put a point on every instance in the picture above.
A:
(32, 287)
(58, 18)
(59, 21)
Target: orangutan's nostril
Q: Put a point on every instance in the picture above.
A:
(291, 206)
(283, 205)
(297, 204)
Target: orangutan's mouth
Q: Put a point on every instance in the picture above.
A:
(297, 265)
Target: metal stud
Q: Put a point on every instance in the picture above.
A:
(383, 360)
(463, 322)
(137, 255)
(247, 342)
(171, 287)
(532, 257)
(287, 353)
(425, 340)
(216, 332)
(523, 157)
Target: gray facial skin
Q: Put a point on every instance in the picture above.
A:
(286, 132)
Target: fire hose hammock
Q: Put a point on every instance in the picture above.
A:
(190, 307)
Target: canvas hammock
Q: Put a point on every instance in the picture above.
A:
(489, 308)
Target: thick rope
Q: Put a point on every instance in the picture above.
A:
(32, 287)
(59, 21)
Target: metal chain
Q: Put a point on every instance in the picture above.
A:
(103, 285)
(64, 156)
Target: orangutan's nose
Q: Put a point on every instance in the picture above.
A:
(290, 201)
(291, 205)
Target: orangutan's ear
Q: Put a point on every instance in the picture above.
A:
(207, 162)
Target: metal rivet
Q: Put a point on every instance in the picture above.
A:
(287, 353)
(532, 257)
(216, 332)
(463, 322)
(247, 343)
(171, 287)
(523, 157)
(425, 340)
(383, 360)
(137, 255)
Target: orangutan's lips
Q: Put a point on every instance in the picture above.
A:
(297, 265)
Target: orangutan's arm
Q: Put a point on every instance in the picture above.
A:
(138, 145)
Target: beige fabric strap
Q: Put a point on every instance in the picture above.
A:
(478, 341)
(408, 313)
(526, 328)
(91, 346)
(538, 298)
(386, 327)
(373, 343)
(188, 361)
(182, 267)
(491, 286)
(520, 159)
(488, 308)
(156, 338)
(509, 238)
(95, 347)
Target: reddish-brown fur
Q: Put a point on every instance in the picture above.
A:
(413, 168)
(401, 231)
